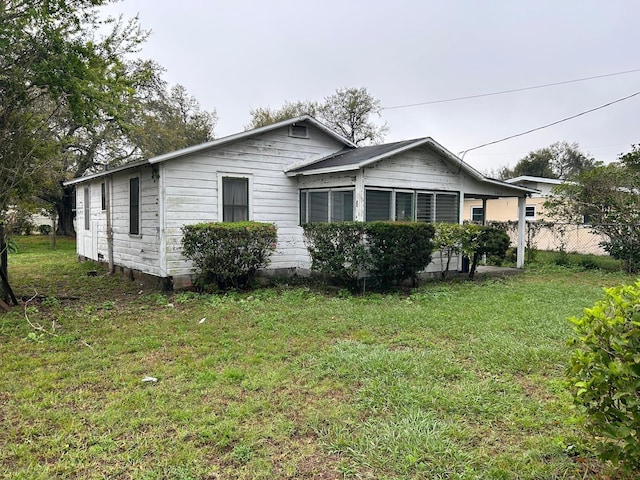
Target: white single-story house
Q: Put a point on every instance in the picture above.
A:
(288, 173)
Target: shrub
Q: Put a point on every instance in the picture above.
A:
(44, 229)
(228, 254)
(604, 373)
(338, 250)
(386, 252)
(491, 241)
(398, 250)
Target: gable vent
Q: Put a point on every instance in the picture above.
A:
(299, 131)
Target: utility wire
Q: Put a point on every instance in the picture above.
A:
(551, 124)
(503, 92)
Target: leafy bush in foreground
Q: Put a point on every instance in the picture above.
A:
(604, 373)
(228, 254)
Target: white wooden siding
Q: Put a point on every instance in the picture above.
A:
(191, 190)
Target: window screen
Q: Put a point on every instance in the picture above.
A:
(424, 207)
(235, 199)
(342, 206)
(404, 206)
(378, 205)
(318, 206)
(447, 208)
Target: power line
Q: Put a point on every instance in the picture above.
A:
(552, 123)
(503, 92)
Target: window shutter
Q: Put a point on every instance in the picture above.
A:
(318, 206)
(425, 207)
(342, 206)
(134, 206)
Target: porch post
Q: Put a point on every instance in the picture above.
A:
(359, 212)
(484, 211)
(522, 202)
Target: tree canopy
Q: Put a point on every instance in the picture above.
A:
(73, 99)
(560, 160)
(349, 112)
(608, 198)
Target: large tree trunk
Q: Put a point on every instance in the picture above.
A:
(66, 214)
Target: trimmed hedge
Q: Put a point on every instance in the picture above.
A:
(388, 253)
(228, 255)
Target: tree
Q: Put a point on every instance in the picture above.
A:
(608, 197)
(72, 103)
(58, 83)
(561, 160)
(348, 111)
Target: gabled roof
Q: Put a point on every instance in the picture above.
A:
(349, 159)
(217, 143)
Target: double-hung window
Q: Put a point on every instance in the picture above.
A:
(235, 199)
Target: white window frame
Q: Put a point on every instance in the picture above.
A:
(472, 213)
(249, 178)
(530, 217)
(86, 207)
(139, 233)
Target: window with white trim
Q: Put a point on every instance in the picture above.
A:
(86, 208)
(134, 206)
(477, 214)
(235, 199)
(530, 212)
(335, 205)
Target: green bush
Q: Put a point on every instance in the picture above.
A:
(44, 229)
(228, 254)
(385, 252)
(338, 250)
(604, 374)
(490, 241)
(398, 250)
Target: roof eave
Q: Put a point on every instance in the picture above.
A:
(104, 173)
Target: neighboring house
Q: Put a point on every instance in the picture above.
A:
(571, 238)
(288, 173)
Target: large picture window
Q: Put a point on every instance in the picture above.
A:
(134, 206)
(235, 199)
(411, 206)
(335, 205)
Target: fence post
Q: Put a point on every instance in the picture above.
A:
(3, 260)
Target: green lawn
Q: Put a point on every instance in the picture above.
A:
(451, 381)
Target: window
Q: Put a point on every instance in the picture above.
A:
(447, 208)
(378, 205)
(103, 196)
(530, 212)
(404, 206)
(298, 131)
(318, 206)
(342, 206)
(425, 206)
(235, 199)
(134, 206)
(326, 205)
(87, 208)
(477, 214)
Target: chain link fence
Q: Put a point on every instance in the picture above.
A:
(556, 237)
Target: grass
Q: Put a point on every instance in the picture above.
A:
(452, 380)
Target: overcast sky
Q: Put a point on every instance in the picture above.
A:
(236, 55)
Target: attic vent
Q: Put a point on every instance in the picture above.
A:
(298, 131)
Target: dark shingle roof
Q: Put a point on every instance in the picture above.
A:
(353, 156)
